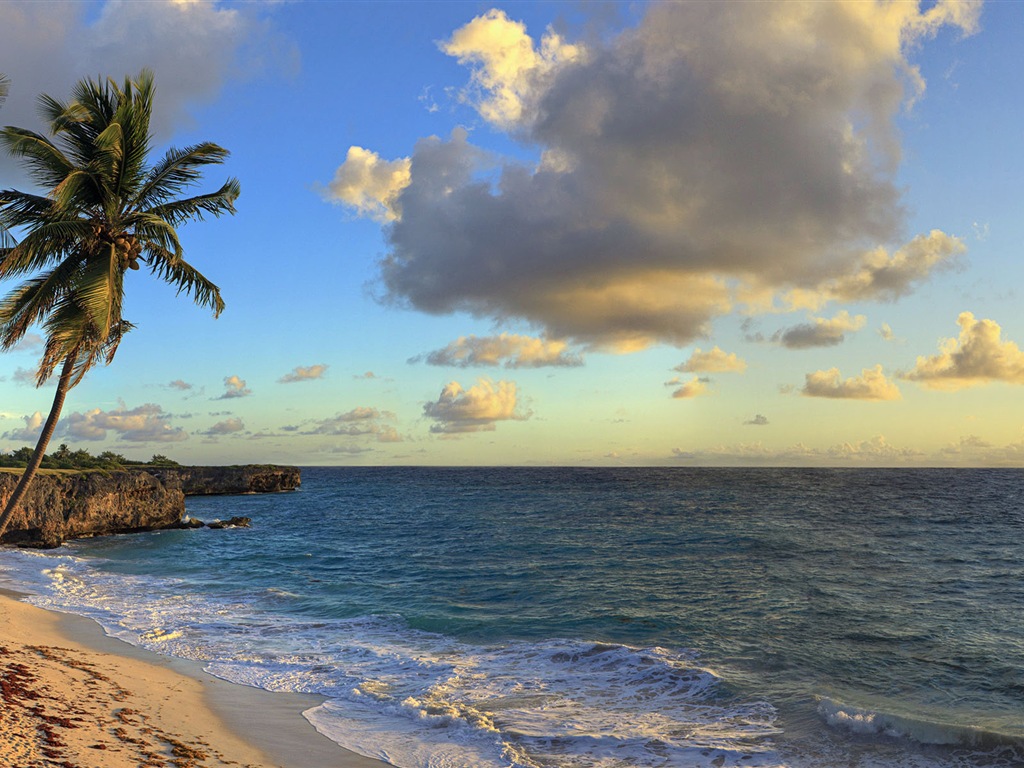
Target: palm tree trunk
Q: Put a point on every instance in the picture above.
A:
(63, 385)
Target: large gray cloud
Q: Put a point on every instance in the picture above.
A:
(718, 153)
(192, 47)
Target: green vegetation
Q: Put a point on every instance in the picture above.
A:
(65, 458)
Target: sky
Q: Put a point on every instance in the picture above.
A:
(667, 234)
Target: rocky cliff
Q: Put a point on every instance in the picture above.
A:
(69, 505)
(250, 478)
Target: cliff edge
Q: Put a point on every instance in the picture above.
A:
(63, 505)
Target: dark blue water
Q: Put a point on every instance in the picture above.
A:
(612, 617)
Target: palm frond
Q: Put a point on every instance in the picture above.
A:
(46, 164)
(99, 290)
(188, 279)
(178, 170)
(192, 208)
(29, 303)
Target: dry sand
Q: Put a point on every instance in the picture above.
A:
(71, 697)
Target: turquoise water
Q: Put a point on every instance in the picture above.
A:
(599, 617)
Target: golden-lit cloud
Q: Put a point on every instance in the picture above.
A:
(512, 350)
(234, 387)
(978, 356)
(476, 409)
(145, 424)
(870, 385)
(507, 66)
(692, 387)
(640, 223)
(304, 373)
(821, 332)
(369, 184)
(715, 360)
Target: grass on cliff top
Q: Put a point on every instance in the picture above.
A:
(19, 470)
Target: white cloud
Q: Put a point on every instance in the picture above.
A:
(369, 184)
(713, 361)
(145, 424)
(870, 385)
(28, 433)
(301, 373)
(476, 409)
(514, 350)
(508, 69)
(234, 387)
(24, 376)
(978, 356)
(641, 225)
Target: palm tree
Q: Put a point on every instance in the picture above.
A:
(106, 210)
(5, 84)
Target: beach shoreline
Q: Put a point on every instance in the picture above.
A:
(77, 697)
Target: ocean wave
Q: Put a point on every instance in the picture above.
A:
(419, 699)
(917, 728)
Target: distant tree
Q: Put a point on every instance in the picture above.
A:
(160, 460)
(104, 211)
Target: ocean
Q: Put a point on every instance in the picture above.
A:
(598, 618)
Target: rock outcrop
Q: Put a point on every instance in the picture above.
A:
(207, 481)
(70, 505)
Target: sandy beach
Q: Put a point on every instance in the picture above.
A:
(74, 698)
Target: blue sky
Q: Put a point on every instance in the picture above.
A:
(669, 234)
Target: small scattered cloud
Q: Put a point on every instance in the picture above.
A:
(358, 422)
(180, 385)
(821, 332)
(28, 433)
(24, 377)
(369, 184)
(693, 387)
(145, 424)
(978, 356)
(757, 421)
(29, 343)
(368, 375)
(226, 427)
(301, 373)
(885, 331)
(870, 385)
(477, 409)
(712, 361)
(512, 350)
(876, 451)
(234, 387)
